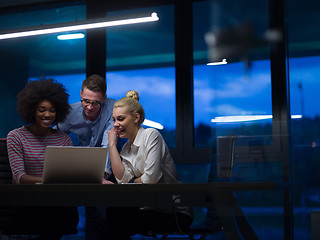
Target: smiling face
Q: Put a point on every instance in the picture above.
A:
(125, 123)
(45, 114)
(91, 103)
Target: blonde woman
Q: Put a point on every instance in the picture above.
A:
(145, 158)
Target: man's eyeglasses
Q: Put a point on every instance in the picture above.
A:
(93, 103)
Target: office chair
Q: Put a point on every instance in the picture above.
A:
(224, 165)
(221, 168)
(230, 214)
(6, 213)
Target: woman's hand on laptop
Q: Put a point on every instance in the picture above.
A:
(105, 181)
(29, 179)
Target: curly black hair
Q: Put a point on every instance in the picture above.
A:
(39, 90)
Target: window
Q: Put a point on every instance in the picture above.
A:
(304, 97)
(232, 98)
(158, 105)
(154, 59)
(141, 57)
(38, 56)
(236, 99)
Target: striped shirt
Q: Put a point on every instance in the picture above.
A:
(26, 151)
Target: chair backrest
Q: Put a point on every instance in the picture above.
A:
(5, 170)
(6, 212)
(8, 225)
(225, 156)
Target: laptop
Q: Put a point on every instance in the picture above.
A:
(67, 164)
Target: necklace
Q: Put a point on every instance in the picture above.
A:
(44, 140)
(42, 137)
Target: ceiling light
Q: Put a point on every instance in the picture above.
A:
(152, 124)
(80, 26)
(224, 61)
(232, 119)
(296, 116)
(70, 36)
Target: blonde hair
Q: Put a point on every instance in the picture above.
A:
(131, 102)
(133, 94)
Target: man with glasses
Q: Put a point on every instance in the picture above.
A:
(87, 123)
(91, 118)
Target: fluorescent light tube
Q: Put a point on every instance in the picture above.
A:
(70, 36)
(152, 124)
(77, 27)
(224, 61)
(232, 119)
(296, 116)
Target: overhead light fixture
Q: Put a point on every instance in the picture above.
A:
(80, 26)
(296, 116)
(224, 61)
(70, 36)
(152, 124)
(233, 119)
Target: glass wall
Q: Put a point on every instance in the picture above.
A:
(37, 56)
(232, 90)
(303, 40)
(234, 97)
(141, 57)
(156, 87)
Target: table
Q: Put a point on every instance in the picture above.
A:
(198, 194)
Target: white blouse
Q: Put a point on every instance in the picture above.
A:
(148, 157)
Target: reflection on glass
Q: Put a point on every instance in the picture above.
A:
(227, 91)
(42, 16)
(238, 80)
(141, 57)
(304, 95)
(37, 56)
(304, 75)
(234, 97)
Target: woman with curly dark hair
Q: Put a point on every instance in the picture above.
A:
(37, 91)
(40, 104)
